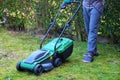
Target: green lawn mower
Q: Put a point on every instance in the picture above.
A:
(51, 55)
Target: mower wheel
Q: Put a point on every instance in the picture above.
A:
(18, 66)
(57, 62)
(38, 69)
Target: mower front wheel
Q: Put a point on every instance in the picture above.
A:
(18, 66)
(38, 69)
(57, 62)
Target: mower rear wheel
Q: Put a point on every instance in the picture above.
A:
(57, 62)
(18, 66)
(38, 69)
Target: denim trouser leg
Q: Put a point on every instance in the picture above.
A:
(91, 21)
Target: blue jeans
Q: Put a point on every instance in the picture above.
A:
(91, 21)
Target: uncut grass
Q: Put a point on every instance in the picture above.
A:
(18, 47)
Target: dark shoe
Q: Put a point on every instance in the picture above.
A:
(88, 58)
(95, 54)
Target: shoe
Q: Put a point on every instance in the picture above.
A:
(88, 58)
(95, 54)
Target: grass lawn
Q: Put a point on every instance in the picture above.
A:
(15, 47)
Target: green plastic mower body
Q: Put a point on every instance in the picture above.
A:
(47, 58)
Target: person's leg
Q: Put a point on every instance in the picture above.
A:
(93, 30)
(86, 16)
(92, 34)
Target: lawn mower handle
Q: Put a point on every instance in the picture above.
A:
(50, 27)
(54, 21)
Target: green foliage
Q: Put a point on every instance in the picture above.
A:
(111, 20)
